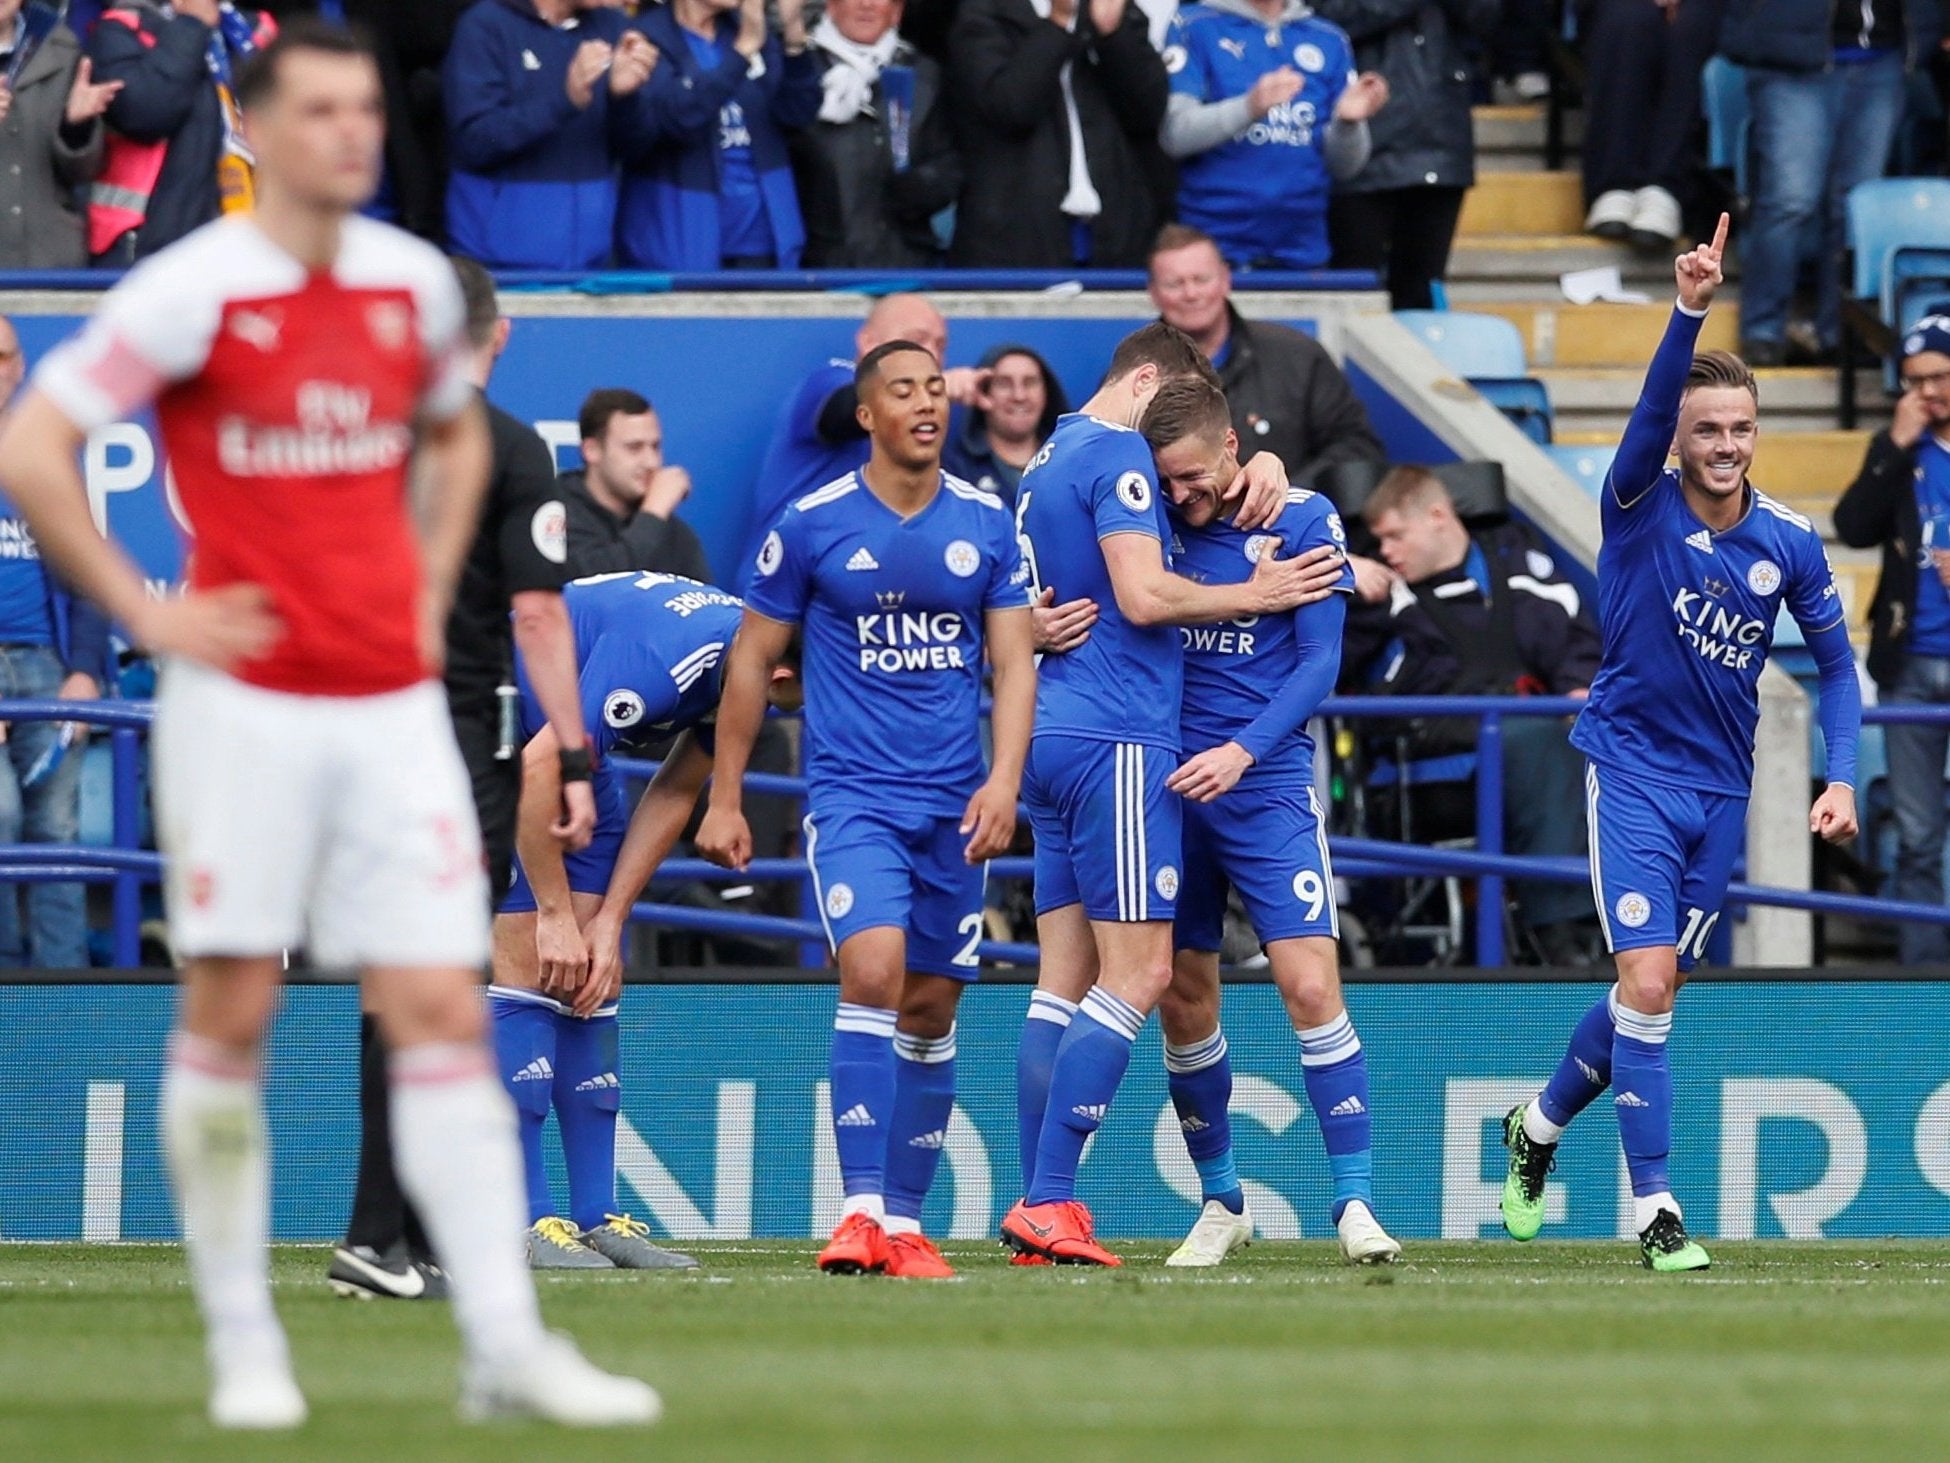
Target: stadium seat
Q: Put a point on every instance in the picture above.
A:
(1468, 344)
(1723, 97)
(1477, 488)
(1886, 214)
(1585, 466)
(1523, 399)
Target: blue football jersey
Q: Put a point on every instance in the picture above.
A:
(796, 461)
(1124, 684)
(891, 610)
(1262, 194)
(1688, 614)
(647, 654)
(1235, 671)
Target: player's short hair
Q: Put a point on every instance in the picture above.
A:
(869, 366)
(606, 402)
(257, 79)
(1720, 368)
(1407, 489)
(1173, 237)
(1185, 407)
(482, 308)
(1174, 353)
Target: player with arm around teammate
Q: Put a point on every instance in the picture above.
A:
(1107, 736)
(1695, 567)
(649, 651)
(902, 580)
(1253, 821)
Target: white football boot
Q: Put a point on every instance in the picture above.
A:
(1363, 1240)
(257, 1399)
(556, 1383)
(1217, 1234)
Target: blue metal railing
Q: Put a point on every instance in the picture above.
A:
(127, 868)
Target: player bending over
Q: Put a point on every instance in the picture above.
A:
(649, 650)
(308, 787)
(1107, 830)
(1253, 821)
(1695, 567)
(901, 578)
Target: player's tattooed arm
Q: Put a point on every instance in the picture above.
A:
(655, 827)
(725, 837)
(559, 946)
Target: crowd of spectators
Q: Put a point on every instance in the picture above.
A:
(703, 135)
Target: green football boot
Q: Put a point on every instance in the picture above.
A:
(1523, 1186)
(1666, 1248)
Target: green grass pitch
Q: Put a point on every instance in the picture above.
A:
(1835, 1350)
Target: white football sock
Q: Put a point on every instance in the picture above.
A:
(1537, 1127)
(219, 1165)
(454, 1140)
(1645, 1210)
(874, 1206)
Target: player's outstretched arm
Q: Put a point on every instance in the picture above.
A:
(990, 820)
(564, 957)
(725, 837)
(655, 827)
(39, 449)
(1150, 594)
(547, 647)
(456, 457)
(1648, 435)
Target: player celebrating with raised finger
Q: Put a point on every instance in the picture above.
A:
(1695, 567)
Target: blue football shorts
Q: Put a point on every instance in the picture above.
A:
(1270, 844)
(874, 867)
(1661, 859)
(1108, 831)
(588, 870)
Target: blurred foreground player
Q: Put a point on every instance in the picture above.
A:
(1695, 567)
(308, 788)
(1253, 821)
(517, 563)
(903, 579)
(650, 650)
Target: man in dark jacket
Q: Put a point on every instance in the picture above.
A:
(1900, 501)
(1057, 106)
(1486, 615)
(1397, 216)
(1825, 89)
(50, 138)
(175, 149)
(706, 183)
(1287, 395)
(1015, 409)
(880, 160)
(622, 505)
(533, 91)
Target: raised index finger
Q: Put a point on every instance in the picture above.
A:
(1719, 244)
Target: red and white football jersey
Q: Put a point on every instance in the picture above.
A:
(287, 400)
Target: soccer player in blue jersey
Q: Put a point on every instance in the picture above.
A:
(1266, 112)
(648, 651)
(1695, 567)
(1253, 821)
(902, 579)
(1092, 521)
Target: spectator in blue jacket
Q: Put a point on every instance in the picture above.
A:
(1825, 87)
(707, 181)
(1265, 112)
(533, 90)
(52, 645)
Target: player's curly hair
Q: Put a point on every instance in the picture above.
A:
(1720, 368)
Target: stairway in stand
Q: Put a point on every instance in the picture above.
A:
(1521, 230)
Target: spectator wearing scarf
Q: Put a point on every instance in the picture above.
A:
(879, 162)
(50, 139)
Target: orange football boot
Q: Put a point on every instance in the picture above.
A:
(858, 1247)
(914, 1257)
(1023, 1257)
(1061, 1233)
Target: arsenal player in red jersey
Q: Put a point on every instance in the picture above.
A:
(308, 789)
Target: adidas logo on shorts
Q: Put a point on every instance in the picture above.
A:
(1093, 1110)
(856, 1116)
(605, 1083)
(536, 1071)
(1192, 1124)
(937, 1139)
(1630, 1099)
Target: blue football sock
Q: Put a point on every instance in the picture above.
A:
(1049, 1017)
(1090, 1063)
(587, 1095)
(1586, 1069)
(924, 1096)
(1336, 1073)
(862, 1070)
(524, 1048)
(1641, 1079)
(1199, 1076)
